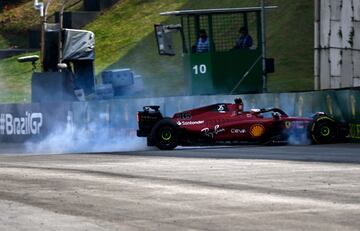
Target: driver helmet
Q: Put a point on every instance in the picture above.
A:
(240, 104)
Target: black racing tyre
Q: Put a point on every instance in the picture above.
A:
(165, 135)
(323, 130)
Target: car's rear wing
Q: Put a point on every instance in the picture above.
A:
(147, 119)
(154, 108)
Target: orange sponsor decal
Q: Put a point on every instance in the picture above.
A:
(257, 130)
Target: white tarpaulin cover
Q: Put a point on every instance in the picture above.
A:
(78, 45)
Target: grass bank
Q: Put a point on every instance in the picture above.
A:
(124, 38)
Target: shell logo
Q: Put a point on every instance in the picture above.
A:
(257, 130)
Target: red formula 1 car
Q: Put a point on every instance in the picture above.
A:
(229, 124)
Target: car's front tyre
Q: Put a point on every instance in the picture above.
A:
(323, 130)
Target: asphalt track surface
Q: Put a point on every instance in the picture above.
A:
(227, 188)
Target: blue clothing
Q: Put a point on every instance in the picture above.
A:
(202, 46)
(244, 41)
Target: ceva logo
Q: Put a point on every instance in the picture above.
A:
(30, 124)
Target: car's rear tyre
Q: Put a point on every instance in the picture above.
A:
(323, 130)
(165, 135)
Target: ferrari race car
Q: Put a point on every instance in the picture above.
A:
(221, 124)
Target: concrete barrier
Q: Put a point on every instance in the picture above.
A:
(114, 118)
